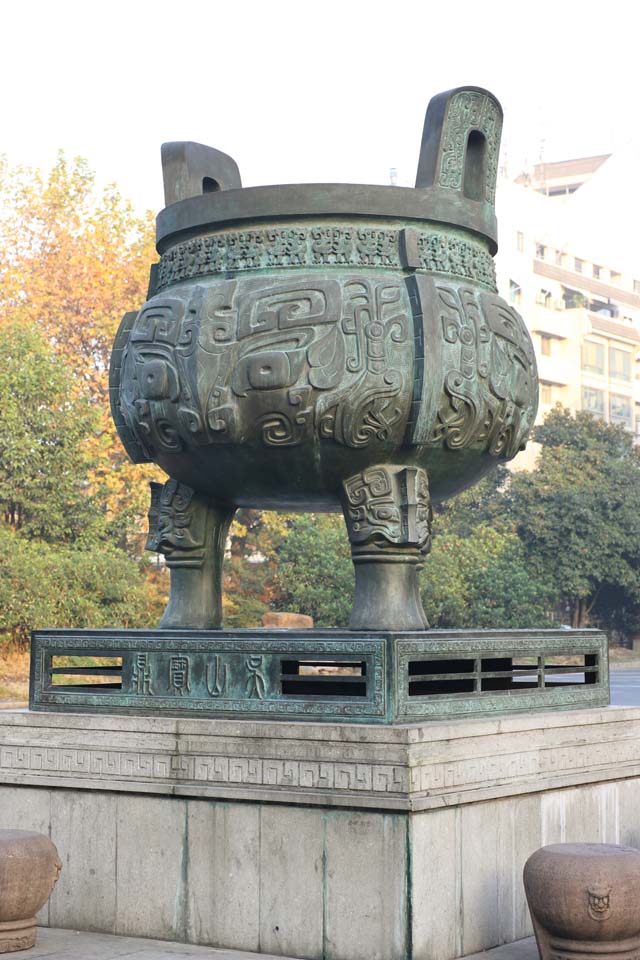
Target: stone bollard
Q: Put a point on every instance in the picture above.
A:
(29, 868)
(584, 900)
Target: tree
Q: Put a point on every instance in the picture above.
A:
(476, 579)
(483, 502)
(72, 260)
(315, 573)
(482, 579)
(578, 511)
(45, 431)
(56, 570)
(47, 585)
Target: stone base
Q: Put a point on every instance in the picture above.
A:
(323, 841)
(17, 935)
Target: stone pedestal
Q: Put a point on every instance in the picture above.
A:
(326, 841)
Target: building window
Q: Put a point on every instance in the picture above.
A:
(545, 345)
(573, 299)
(636, 286)
(620, 408)
(619, 364)
(593, 357)
(515, 292)
(544, 298)
(559, 257)
(593, 401)
(578, 264)
(541, 251)
(615, 277)
(545, 393)
(596, 271)
(520, 241)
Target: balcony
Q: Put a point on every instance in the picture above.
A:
(614, 329)
(549, 321)
(581, 282)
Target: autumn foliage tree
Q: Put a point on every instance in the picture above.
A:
(73, 259)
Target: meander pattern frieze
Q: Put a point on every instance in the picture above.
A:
(89, 641)
(366, 711)
(551, 761)
(555, 760)
(204, 768)
(323, 246)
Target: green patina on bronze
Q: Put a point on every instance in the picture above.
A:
(324, 347)
(367, 677)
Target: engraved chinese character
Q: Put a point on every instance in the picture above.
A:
(255, 683)
(179, 675)
(216, 677)
(141, 678)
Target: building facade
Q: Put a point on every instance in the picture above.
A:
(576, 281)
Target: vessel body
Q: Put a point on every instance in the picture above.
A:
(275, 361)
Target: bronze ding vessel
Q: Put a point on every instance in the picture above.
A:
(324, 346)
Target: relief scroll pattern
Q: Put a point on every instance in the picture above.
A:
(391, 505)
(280, 363)
(489, 395)
(272, 363)
(177, 523)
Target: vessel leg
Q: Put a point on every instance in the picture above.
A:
(191, 531)
(387, 510)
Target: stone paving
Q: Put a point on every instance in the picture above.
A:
(518, 950)
(71, 945)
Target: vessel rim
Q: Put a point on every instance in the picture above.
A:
(332, 201)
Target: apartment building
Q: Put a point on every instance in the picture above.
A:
(569, 261)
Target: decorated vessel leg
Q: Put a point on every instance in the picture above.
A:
(388, 515)
(191, 531)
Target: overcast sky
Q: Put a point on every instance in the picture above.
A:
(331, 91)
